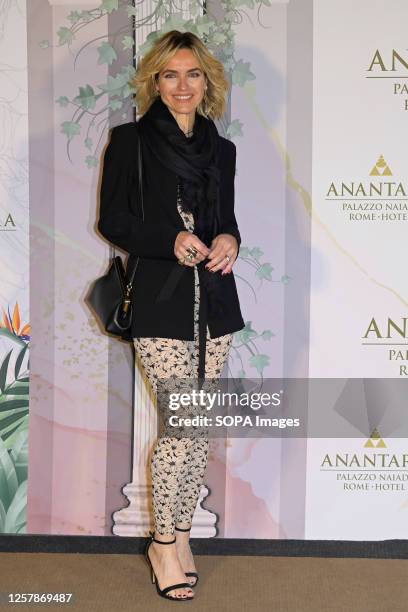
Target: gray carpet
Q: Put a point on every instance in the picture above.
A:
(280, 584)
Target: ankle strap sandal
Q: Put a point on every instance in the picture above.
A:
(164, 592)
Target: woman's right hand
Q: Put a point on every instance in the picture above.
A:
(187, 239)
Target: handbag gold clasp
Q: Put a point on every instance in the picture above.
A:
(127, 301)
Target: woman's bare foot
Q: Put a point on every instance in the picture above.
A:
(167, 567)
(185, 555)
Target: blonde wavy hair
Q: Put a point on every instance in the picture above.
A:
(213, 104)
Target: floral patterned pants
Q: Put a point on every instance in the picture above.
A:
(178, 463)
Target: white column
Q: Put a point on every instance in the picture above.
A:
(136, 519)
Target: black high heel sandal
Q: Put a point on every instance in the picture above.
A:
(189, 574)
(163, 592)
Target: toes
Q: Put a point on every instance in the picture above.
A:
(182, 594)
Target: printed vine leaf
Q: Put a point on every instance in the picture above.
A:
(127, 90)
(267, 334)
(70, 129)
(259, 362)
(127, 42)
(74, 17)
(245, 334)
(256, 253)
(107, 54)
(113, 85)
(241, 73)
(65, 35)
(86, 97)
(63, 101)
(264, 271)
(91, 161)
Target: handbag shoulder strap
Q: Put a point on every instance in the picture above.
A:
(131, 267)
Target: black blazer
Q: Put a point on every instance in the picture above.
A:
(120, 221)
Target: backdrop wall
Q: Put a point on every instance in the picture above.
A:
(317, 110)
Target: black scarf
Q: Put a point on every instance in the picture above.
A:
(195, 161)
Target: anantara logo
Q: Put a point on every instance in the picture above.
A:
(380, 199)
(379, 471)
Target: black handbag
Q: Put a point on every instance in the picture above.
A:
(110, 295)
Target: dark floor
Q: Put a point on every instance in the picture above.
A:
(113, 583)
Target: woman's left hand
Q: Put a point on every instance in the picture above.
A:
(222, 245)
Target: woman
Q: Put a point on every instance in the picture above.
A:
(185, 302)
